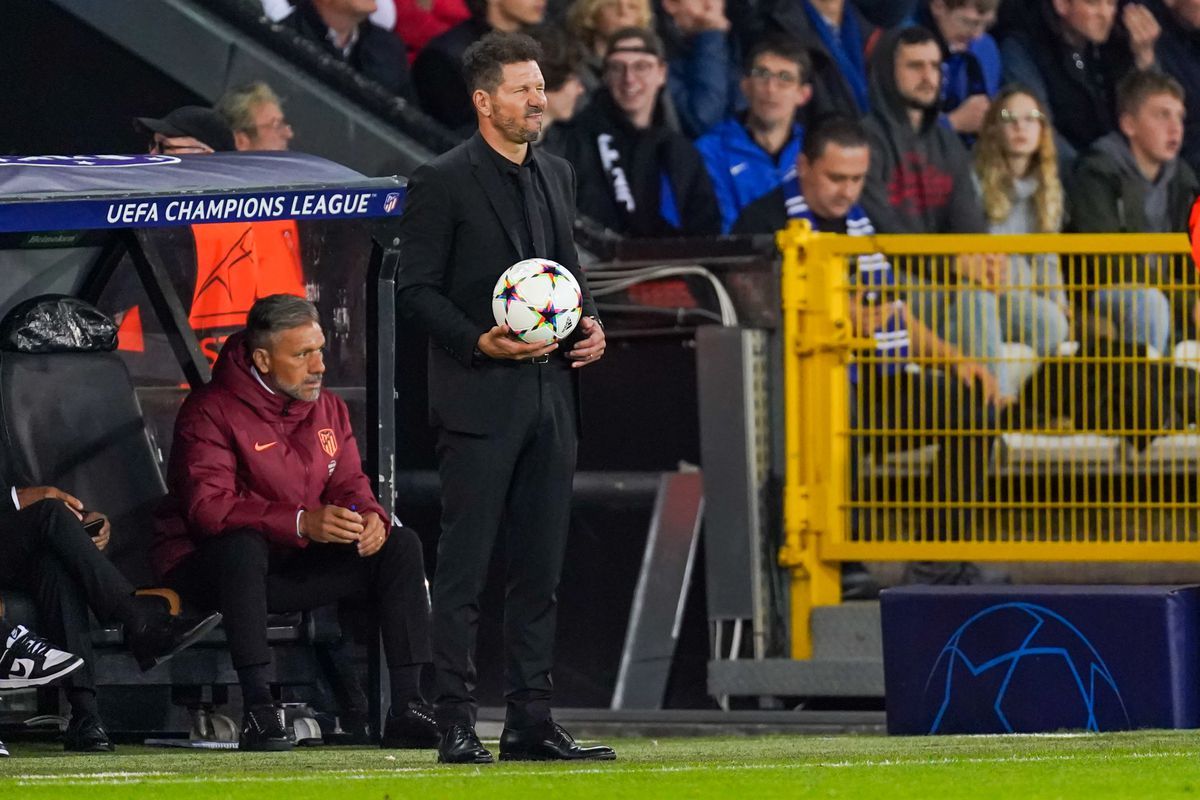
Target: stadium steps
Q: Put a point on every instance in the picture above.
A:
(847, 661)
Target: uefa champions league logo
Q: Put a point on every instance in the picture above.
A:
(1019, 658)
(93, 162)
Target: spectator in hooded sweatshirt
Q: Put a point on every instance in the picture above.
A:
(1133, 181)
(1071, 54)
(836, 36)
(970, 59)
(1178, 52)
(636, 176)
(920, 182)
(749, 155)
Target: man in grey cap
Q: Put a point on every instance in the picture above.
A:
(188, 130)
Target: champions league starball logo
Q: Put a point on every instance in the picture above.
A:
(1021, 667)
(93, 162)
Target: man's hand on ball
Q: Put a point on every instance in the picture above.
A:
(331, 524)
(500, 342)
(590, 348)
(374, 535)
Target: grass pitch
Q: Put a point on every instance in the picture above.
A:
(1136, 765)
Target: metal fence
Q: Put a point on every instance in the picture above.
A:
(979, 398)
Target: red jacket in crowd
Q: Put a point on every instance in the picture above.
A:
(244, 457)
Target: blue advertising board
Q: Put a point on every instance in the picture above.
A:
(1030, 659)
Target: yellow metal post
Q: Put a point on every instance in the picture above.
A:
(817, 334)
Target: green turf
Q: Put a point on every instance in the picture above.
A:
(1137, 765)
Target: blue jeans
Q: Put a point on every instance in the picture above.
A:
(977, 322)
(1140, 314)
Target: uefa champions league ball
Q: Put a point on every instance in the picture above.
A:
(538, 299)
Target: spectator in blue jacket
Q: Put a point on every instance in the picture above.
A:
(971, 67)
(702, 65)
(749, 155)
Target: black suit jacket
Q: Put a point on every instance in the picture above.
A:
(457, 236)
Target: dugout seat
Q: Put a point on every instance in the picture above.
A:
(69, 417)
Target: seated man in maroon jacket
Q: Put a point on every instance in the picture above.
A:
(269, 511)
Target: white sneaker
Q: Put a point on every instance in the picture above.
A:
(3, 751)
(30, 661)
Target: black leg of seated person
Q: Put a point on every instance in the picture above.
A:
(45, 551)
(252, 582)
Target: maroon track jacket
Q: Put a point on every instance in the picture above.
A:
(245, 458)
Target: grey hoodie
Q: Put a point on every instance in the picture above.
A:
(1155, 194)
(920, 180)
(1109, 194)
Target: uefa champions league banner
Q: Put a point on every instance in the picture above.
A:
(182, 210)
(42, 193)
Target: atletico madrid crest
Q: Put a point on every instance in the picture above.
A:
(328, 440)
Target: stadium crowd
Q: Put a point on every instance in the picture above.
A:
(1008, 116)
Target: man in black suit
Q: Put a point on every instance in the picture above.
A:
(505, 411)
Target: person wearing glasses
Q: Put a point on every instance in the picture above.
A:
(255, 114)
(1016, 179)
(749, 155)
(637, 176)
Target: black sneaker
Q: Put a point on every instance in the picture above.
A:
(161, 636)
(263, 731)
(413, 728)
(85, 733)
(29, 661)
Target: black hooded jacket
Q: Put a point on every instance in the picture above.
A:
(622, 171)
(919, 180)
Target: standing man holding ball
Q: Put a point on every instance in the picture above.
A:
(505, 411)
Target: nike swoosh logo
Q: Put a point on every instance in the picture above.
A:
(260, 447)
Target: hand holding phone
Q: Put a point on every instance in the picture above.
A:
(94, 527)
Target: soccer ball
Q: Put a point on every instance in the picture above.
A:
(538, 299)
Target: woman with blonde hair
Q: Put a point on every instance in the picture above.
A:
(1016, 177)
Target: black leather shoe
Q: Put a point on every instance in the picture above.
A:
(85, 734)
(161, 636)
(460, 745)
(548, 742)
(413, 728)
(263, 731)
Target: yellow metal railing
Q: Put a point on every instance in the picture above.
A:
(1080, 444)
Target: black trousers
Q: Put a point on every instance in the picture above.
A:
(45, 551)
(239, 574)
(520, 479)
